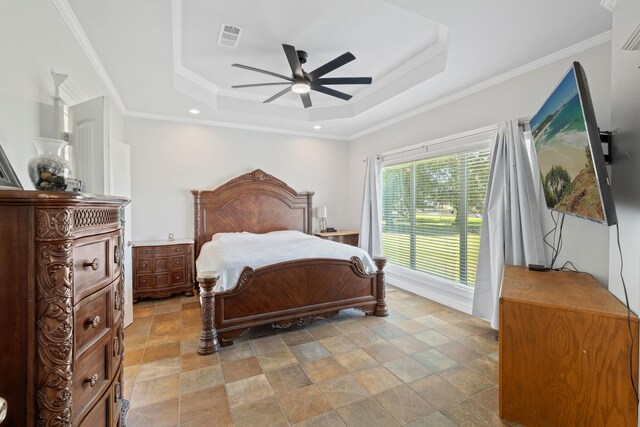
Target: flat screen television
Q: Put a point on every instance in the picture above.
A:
(569, 152)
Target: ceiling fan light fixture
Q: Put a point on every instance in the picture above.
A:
(301, 87)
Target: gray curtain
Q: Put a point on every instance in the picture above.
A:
(511, 230)
(370, 225)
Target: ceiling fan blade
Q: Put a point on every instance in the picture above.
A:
(306, 100)
(294, 62)
(246, 67)
(343, 81)
(277, 95)
(262, 84)
(338, 62)
(332, 92)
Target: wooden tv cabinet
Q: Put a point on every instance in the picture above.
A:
(564, 351)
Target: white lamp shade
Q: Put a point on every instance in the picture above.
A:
(321, 212)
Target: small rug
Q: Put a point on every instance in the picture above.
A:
(125, 408)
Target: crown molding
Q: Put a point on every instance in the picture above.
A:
(531, 66)
(77, 30)
(230, 125)
(74, 95)
(608, 4)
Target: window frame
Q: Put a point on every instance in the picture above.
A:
(440, 289)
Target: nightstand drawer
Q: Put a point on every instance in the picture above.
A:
(346, 237)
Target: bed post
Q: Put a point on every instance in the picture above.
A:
(208, 337)
(381, 306)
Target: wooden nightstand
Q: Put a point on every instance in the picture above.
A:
(348, 237)
(162, 268)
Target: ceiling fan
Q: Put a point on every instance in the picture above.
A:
(302, 82)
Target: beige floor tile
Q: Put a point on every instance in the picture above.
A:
(389, 332)
(192, 360)
(434, 420)
(431, 321)
(351, 326)
(159, 368)
(267, 344)
(240, 369)
(206, 403)
(325, 330)
(486, 367)
(407, 369)
(288, 379)
(465, 379)
(432, 338)
(364, 338)
(384, 352)
(156, 390)
(452, 316)
(339, 344)
(237, 351)
(199, 379)
(222, 419)
(159, 338)
(367, 412)
(133, 357)
(309, 351)
(475, 326)
(296, 337)
(277, 360)
(377, 380)
(163, 413)
(411, 326)
(434, 360)
(469, 414)
(329, 419)
(261, 413)
(162, 351)
(356, 360)
(437, 391)
(135, 342)
(453, 331)
(487, 399)
(458, 352)
(302, 404)
(409, 344)
(374, 321)
(342, 390)
(248, 390)
(404, 404)
(323, 369)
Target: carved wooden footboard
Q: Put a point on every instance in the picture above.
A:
(287, 294)
(284, 294)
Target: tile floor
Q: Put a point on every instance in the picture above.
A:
(424, 365)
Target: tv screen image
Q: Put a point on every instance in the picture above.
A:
(567, 143)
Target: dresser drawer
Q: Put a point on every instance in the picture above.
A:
(177, 263)
(91, 375)
(92, 318)
(93, 258)
(144, 265)
(162, 250)
(101, 414)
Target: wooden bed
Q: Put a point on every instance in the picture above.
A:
(284, 294)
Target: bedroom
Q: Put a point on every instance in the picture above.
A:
(171, 156)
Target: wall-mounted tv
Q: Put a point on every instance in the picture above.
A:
(570, 157)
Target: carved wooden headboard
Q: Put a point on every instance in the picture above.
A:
(255, 202)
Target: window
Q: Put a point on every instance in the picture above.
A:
(432, 212)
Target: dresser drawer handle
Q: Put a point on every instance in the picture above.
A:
(144, 280)
(94, 322)
(178, 250)
(95, 264)
(93, 380)
(144, 265)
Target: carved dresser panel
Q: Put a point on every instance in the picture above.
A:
(62, 295)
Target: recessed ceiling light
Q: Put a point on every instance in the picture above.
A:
(194, 111)
(317, 127)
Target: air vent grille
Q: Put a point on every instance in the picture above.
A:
(229, 36)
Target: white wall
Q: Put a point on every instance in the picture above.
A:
(585, 243)
(35, 40)
(171, 159)
(625, 169)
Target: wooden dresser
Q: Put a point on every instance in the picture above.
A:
(162, 268)
(62, 295)
(347, 237)
(564, 351)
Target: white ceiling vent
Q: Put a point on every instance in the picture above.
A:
(229, 36)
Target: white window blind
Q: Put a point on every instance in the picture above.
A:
(432, 213)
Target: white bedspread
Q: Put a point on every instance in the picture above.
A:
(229, 253)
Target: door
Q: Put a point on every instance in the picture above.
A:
(120, 183)
(89, 140)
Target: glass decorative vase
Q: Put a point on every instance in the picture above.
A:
(49, 170)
